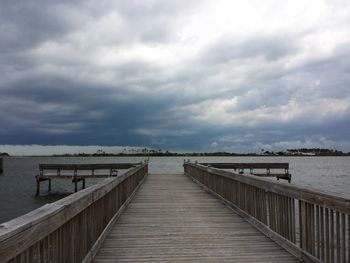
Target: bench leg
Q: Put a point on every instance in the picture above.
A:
(83, 183)
(75, 185)
(49, 184)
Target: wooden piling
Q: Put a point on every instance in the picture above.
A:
(37, 186)
(75, 184)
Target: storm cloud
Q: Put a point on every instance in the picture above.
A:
(176, 75)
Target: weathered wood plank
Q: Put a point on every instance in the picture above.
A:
(173, 219)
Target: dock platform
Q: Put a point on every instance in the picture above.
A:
(172, 219)
(264, 168)
(78, 172)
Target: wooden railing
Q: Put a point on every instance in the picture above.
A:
(313, 226)
(256, 166)
(50, 171)
(74, 168)
(73, 228)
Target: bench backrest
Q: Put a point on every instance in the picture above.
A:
(248, 165)
(99, 166)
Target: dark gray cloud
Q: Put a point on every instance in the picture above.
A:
(178, 75)
(270, 47)
(25, 24)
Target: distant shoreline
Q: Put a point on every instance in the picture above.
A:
(147, 152)
(175, 155)
(302, 152)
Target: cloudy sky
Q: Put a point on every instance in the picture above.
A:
(190, 75)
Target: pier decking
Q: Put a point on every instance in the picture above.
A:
(173, 219)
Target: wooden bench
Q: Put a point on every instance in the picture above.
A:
(256, 166)
(79, 172)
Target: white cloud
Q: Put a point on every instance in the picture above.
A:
(224, 112)
(214, 144)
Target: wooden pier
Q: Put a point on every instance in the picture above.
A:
(204, 215)
(78, 172)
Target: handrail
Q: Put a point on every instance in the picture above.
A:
(248, 165)
(70, 229)
(256, 166)
(84, 166)
(312, 225)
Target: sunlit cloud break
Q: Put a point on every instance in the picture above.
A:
(175, 75)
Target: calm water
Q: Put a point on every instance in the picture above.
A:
(18, 185)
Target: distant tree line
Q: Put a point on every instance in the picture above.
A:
(317, 151)
(151, 152)
(145, 152)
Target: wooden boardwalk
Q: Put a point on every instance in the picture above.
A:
(172, 219)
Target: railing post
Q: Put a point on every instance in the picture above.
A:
(303, 226)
